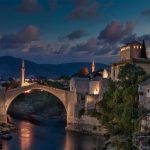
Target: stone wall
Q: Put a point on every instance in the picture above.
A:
(144, 99)
(87, 124)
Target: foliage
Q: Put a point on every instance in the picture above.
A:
(81, 112)
(64, 77)
(94, 113)
(119, 107)
(123, 143)
(143, 50)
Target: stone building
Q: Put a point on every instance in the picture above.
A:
(144, 94)
(130, 54)
(91, 89)
(144, 101)
(130, 50)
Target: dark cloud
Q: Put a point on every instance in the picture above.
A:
(115, 31)
(76, 34)
(29, 6)
(88, 47)
(84, 9)
(27, 35)
(146, 12)
(134, 37)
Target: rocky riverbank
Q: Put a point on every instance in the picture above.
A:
(6, 130)
(87, 124)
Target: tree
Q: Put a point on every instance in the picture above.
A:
(131, 74)
(119, 107)
(143, 50)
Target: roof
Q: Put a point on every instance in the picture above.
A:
(80, 78)
(146, 82)
(132, 42)
(133, 60)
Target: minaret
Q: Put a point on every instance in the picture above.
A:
(93, 66)
(23, 74)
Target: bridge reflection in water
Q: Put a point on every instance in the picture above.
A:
(26, 135)
(51, 137)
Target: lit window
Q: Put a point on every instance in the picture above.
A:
(137, 46)
(140, 46)
(148, 92)
(134, 46)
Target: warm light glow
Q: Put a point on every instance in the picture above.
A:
(125, 48)
(26, 136)
(28, 91)
(94, 87)
(89, 99)
(96, 91)
(105, 74)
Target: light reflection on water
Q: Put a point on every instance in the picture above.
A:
(26, 135)
(50, 137)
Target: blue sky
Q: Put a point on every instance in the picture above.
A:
(60, 31)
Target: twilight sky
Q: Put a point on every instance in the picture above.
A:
(60, 31)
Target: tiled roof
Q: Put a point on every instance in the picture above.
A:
(146, 82)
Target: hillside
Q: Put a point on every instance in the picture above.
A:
(11, 67)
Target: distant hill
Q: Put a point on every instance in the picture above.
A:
(11, 67)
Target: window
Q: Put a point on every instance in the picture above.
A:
(148, 92)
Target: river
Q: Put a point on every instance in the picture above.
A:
(51, 136)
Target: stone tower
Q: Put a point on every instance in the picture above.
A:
(93, 66)
(23, 74)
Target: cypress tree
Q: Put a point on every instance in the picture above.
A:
(143, 50)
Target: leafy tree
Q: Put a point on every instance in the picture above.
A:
(143, 50)
(119, 107)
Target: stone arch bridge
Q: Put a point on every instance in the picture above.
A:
(69, 99)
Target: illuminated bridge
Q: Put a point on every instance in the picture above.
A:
(68, 98)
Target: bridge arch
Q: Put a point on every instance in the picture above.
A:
(60, 94)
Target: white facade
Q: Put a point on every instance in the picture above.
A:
(94, 87)
(85, 86)
(105, 74)
(144, 94)
(79, 85)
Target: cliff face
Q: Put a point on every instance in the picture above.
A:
(36, 105)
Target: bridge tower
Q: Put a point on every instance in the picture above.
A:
(93, 66)
(23, 74)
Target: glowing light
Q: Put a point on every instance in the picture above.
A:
(96, 91)
(125, 48)
(105, 74)
(28, 91)
(26, 135)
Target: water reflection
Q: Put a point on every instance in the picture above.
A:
(50, 137)
(76, 141)
(26, 135)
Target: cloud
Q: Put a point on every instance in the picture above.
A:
(20, 39)
(76, 34)
(84, 9)
(146, 13)
(88, 47)
(115, 31)
(29, 6)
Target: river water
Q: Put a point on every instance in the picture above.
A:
(51, 136)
